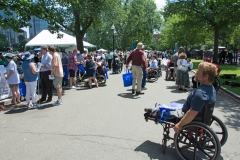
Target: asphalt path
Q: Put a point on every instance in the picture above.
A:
(103, 123)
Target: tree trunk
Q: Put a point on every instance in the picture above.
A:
(79, 40)
(216, 35)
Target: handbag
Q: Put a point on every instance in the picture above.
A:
(127, 78)
(181, 67)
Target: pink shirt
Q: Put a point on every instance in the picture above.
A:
(57, 64)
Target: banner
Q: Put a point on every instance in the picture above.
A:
(133, 45)
(5, 91)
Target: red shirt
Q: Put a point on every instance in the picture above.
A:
(137, 57)
(218, 68)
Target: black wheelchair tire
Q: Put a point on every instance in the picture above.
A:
(197, 145)
(164, 143)
(224, 133)
(101, 80)
(155, 78)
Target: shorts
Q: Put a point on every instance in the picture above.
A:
(57, 82)
(72, 73)
(12, 85)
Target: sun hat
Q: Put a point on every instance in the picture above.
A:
(9, 55)
(27, 56)
(140, 46)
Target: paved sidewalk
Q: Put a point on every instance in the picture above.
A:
(103, 123)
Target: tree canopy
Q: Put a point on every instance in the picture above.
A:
(213, 15)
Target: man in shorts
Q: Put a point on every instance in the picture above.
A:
(57, 73)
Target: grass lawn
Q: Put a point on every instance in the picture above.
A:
(226, 69)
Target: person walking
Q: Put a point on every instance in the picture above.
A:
(45, 71)
(57, 73)
(138, 61)
(13, 78)
(109, 57)
(30, 74)
(144, 73)
(73, 67)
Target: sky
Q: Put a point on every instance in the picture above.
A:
(160, 3)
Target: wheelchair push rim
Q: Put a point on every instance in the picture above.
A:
(220, 129)
(193, 139)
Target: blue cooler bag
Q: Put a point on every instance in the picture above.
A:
(127, 78)
(22, 88)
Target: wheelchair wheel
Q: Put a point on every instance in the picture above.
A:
(153, 76)
(216, 84)
(159, 73)
(220, 129)
(101, 80)
(193, 139)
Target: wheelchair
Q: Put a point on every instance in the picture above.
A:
(196, 138)
(100, 76)
(167, 77)
(153, 75)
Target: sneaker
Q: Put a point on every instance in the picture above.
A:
(77, 85)
(144, 88)
(57, 102)
(133, 91)
(73, 87)
(139, 93)
(36, 105)
(29, 105)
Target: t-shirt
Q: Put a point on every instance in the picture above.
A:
(57, 63)
(71, 62)
(199, 98)
(14, 78)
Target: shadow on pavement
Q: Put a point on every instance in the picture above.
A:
(128, 95)
(46, 106)
(230, 108)
(154, 151)
(16, 109)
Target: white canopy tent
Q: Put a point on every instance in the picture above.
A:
(103, 50)
(60, 39)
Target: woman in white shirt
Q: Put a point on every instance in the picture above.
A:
(182, 72)
(13, 78)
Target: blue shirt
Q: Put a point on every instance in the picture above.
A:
(199, 98)
(46, 60)
(154, 64)
(28, 75)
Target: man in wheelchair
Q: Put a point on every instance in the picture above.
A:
(200, 97)
(154, 64)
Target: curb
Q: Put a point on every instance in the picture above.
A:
(225, 90)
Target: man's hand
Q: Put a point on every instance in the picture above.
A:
(176, 128)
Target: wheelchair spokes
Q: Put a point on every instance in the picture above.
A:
(220, 129)
(194, 140)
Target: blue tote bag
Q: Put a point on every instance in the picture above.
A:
(127, 78)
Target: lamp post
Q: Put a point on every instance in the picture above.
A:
(113, 28)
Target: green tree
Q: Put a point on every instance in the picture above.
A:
(213, 15)
(3, 42)
(17, 13)
(74, 15)
(134, 20)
